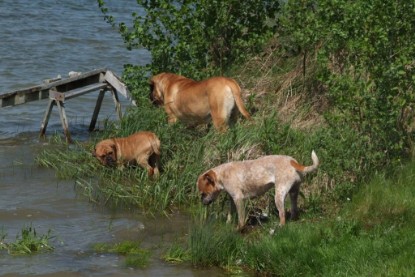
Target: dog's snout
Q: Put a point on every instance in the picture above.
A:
(109, 160)
(206, 200)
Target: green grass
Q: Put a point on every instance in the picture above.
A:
(135, 256)
(28, 242)
(186, 153)
(335, 236)
(371, 236)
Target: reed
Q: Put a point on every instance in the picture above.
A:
(28, 242)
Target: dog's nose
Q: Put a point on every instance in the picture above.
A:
(206, 200)
(109, 160)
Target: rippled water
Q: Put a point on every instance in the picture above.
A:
(39, 40)
(43, 39)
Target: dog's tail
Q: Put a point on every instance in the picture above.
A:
(155, 144)
(236, 91)
(307, 169)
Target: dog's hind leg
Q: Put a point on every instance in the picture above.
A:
(143, 161)
(219, 122)
(220, 112)
(293, 197)
(280, 195)
(154, 162)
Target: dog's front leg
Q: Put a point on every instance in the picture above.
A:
(231, 211)
(171, 118)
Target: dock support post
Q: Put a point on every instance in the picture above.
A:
(96, 110)
(64, 121)
(46, 117)
(56, 98)
(117, 103)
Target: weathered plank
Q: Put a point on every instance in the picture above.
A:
(22, 96)
(59, 90)
(40, 92)
(80, 91)
(117, 84)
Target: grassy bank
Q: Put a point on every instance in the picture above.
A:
(371, 236)
(321, 83)
(349, 224)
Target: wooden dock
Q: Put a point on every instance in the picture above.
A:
(60, 90)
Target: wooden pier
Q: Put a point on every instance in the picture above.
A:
(60, 90)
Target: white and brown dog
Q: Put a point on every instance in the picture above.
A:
(195, 102)
(142, 148)
(250, 178)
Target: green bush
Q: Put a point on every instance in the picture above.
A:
(197, 38)
(365, 54)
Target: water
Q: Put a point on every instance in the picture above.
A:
(39, 40)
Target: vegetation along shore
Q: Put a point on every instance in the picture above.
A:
(333, 76)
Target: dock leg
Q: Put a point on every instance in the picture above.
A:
(46, 117)
(96, 110)
(64, 121)
(117, 103)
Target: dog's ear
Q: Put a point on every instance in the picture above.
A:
(151, 86)
(210, 177)
(152, 98)
(114, 150)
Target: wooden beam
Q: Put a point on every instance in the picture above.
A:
(96, 110)
(46, 117)
(117, 84)
(64, 120)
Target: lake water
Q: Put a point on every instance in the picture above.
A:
(40, 40)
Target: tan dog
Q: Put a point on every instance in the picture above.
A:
(142, 148)
(196, 102)
(250, 178)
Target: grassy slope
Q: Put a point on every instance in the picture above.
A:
(370, 235)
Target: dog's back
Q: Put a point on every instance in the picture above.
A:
(255, 177)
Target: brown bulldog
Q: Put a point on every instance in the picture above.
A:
(197, 102)
(250, 178)
(142, 148)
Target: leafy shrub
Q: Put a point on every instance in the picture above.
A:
(364, 51)
(198, 38)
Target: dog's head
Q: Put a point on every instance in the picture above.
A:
(208, 187)
(156, 91)
(106, 152)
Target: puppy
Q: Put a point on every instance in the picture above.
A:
(250, 178)
(142, 148)
(197, 102)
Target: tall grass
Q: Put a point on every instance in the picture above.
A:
(28, 242)
(185, 153)
(333, 238)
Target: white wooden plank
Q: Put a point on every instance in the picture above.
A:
(117, 84)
